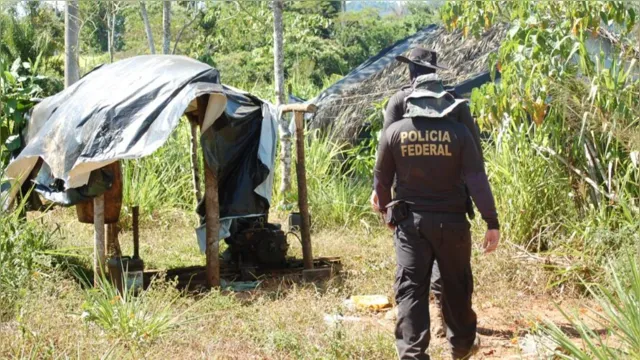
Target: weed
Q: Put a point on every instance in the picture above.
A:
(22, 247)
(138, 319)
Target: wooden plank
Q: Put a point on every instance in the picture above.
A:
(98, 239)
(212, 218)
(304, 108)
(303, 205)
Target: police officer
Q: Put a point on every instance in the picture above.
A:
(431, 158)
(424, 62)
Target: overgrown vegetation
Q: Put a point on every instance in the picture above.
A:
(23, 247)
(564, 119)
(562, 152)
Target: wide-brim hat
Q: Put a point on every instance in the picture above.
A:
(422, 57)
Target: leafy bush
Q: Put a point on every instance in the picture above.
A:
(20, 82)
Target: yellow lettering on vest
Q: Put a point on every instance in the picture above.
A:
(433, 149)
(420, 137)
(440, 150)
(445, 137)
(403, 137)
(413, 136)
(412, 149)
(433, 135)
(446, 149)
(425, 150)
(403, 149)
(418, 149)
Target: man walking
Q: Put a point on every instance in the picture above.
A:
(431, 158)
(424, 62)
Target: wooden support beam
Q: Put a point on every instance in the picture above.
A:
(212, 208)
(303, 108)
(212, 218)
(303, 205)
(113, 244)
(98, 239)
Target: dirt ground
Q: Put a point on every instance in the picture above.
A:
(283, 318)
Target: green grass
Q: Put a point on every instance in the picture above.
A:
(163, 181)
(23, 247)
(620, 316)
(338, 197)
(138, 318)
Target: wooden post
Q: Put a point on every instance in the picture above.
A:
(303, 204)
(212, 218)
(212, 208)
(299, 110)
(113, 244)
(98, 239)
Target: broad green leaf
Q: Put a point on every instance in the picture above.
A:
(16, 65)
(10, 78)
(514, 30)
(13, 143)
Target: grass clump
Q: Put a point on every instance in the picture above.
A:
(137, 319)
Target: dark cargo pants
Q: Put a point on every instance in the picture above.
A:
(420, 240)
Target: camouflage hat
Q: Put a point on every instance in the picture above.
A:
(430, 99)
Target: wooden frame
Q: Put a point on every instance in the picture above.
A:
(301, 172)
(212, 205)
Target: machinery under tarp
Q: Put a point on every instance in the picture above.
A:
(127, 110)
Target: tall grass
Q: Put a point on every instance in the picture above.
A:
(162, 181)
(620, 317)
(533, 192)
(338, 196)
(22, 253)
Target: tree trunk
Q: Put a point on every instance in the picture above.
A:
(166, 27)
(278, 66)
(147, 27)
(111, 22)
(71, 29)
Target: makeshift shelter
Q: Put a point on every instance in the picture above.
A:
(127, 110)
(344, 106)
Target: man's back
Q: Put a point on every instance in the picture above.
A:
(429, 156)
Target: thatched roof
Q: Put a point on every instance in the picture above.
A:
(345, 105)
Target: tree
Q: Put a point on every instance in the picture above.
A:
(166, 26)
(278, 66)
(71, 29)
(147, 27)
(111, 17)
